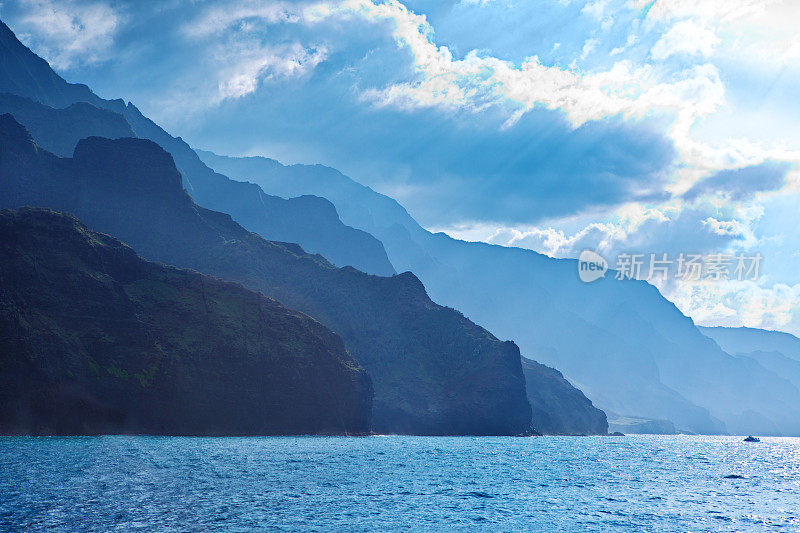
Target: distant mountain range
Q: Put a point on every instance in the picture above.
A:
(628, 348)
(96, 340)
(309, 221)
(775, 350)
(748, 340)
(457, 356)
(434, 371)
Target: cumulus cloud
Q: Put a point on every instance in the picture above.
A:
(476, 81)
(739, 303)
(69, 32)
(673, 229)
(685, 37)
(241, 53)
(595, 8)
(724, 227)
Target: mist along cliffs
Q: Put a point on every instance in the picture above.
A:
(93, 339)
(622, 343)
(28, 76)
(310, 222)
(433, 371)
(552, 397)
(775, 350)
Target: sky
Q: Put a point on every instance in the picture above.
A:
(621, 126)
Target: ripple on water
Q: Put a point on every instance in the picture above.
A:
(638, 483)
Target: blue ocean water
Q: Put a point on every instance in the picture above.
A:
(553, 484)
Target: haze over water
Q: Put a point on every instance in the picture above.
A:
(633, 483)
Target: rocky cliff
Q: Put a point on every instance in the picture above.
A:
(314, 224)
(93, 339)
(434, 371)
(558, 407)
(309, 220)
(630, 350)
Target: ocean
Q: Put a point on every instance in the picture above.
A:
(387, 483)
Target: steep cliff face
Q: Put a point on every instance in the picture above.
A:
(558, 407)
(775, 350)
(434, 371)
(24, 73)
(622, 343)
(93, 339)
(58, 130)
(309, 220)
(313, 224)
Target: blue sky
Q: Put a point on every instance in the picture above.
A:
(556, 125)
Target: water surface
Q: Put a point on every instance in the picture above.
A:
(633, 483)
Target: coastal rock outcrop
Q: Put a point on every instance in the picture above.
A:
(558, 407)
(433, 371)
(93, 339)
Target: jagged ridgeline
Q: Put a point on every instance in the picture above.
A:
(621, 342)
(93, 339)
(314, 223)
(434, 372)
(309, 220)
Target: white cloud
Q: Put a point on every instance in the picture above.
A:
(724, 227)
(721, 10)
(68, 32)
(240, 58)
(589, 47)
(218, 18)
(477, 82)
(631, 40)
(761, 31)
(625, 228)
(739, 303)
(685, 37)
(632, 90)
(595, 8)
(763, 303)
(246, 65)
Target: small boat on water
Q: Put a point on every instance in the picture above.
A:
(751, 438)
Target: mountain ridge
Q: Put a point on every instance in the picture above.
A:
(25, 74)
(95, 340)
(561, 387)
(776, 350)
(433, 371)
(628, 348)
(744, 339)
